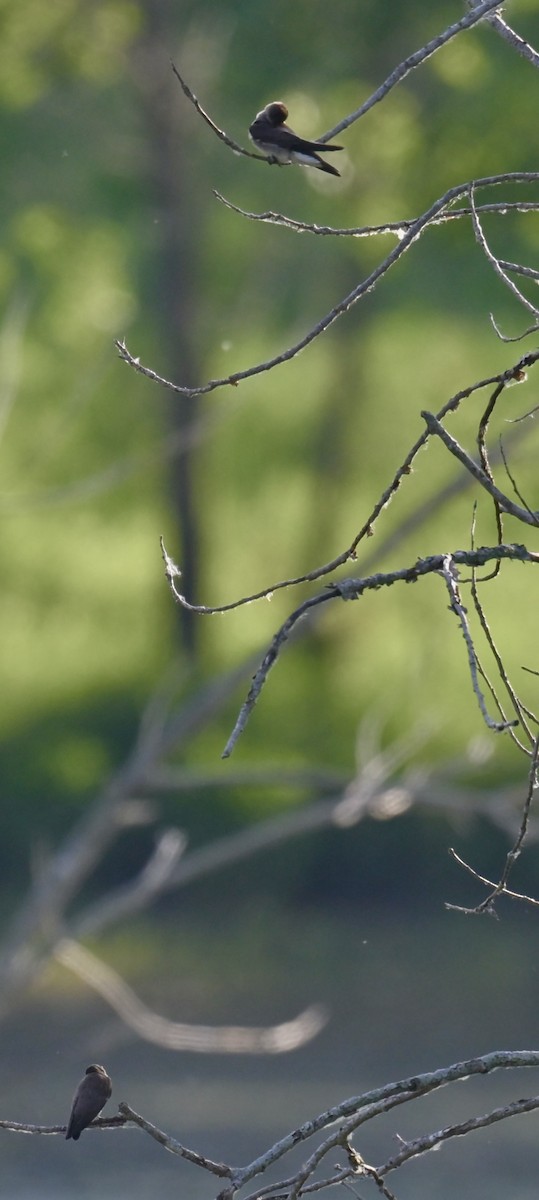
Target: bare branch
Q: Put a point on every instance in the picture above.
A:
(351, 1113)
(38, 925)
(483, 458)
(502, 274)
(362, 289)
(519, 336)
(433, 1141)
(270, 657)
(512, 479)
(358, 1110)
(518, 707)
(500, 888)
(513, 374)
(478, 13)
(176, 1035)
(397, 228)
(171, 1144)
(373, 792)
(514, 39)
(100, 1123)
(224, 137)
(522, 514)
(450, 574)
(472, 912)
(353, 589)
(152, 880)
(519, 269)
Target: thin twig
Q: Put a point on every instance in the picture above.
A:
(372, 1104)
(522, 514)
(362, 289)
(481, 239)
(520, 709)
(490, 641)
(512, 480)
(450, 574)
(500, 888)
(397, 228)
(433, 1141)
(511, 895)
(519, 337)
(220, 133)
(478, 13)
(483, 458)
(36, 926)
(353, 589)
(173, 572)
(367, 1111)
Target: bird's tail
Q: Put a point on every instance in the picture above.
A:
(324, 166)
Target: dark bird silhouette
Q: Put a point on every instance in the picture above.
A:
(278, 142)
(92, 1093)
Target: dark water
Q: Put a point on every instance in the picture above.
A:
(405, 995)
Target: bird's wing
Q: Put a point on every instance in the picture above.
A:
(296, 143)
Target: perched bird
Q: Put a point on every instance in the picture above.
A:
(278, 142)
(92, 1093)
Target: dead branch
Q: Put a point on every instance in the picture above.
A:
(522, 514)
(220, 133)
(477, 13)
(500, 889)
(495, 262)
(519, 337)
(171, 1144)
(353, 589)
(470, 912)
(362, 289)
(522, 712)
(513, 374)
(343, 1119)
(450, 574)
(100, 1123)
(177, 1035)
(389, 227)
(39, 923)
(433, 1141)
(497, 22)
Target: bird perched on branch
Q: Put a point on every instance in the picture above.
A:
(91, 1095)
(279, 143)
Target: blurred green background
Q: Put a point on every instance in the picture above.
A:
(110, 230)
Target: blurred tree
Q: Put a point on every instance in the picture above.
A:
(111, 229)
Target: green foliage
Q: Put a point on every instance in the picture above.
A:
(289, 464)
(44, 43)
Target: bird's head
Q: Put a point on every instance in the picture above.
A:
(276, 112)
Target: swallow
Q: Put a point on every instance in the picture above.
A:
(91, 1095)
(280, 144)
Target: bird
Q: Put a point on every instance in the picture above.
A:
(280, 144)
(91, 1095)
